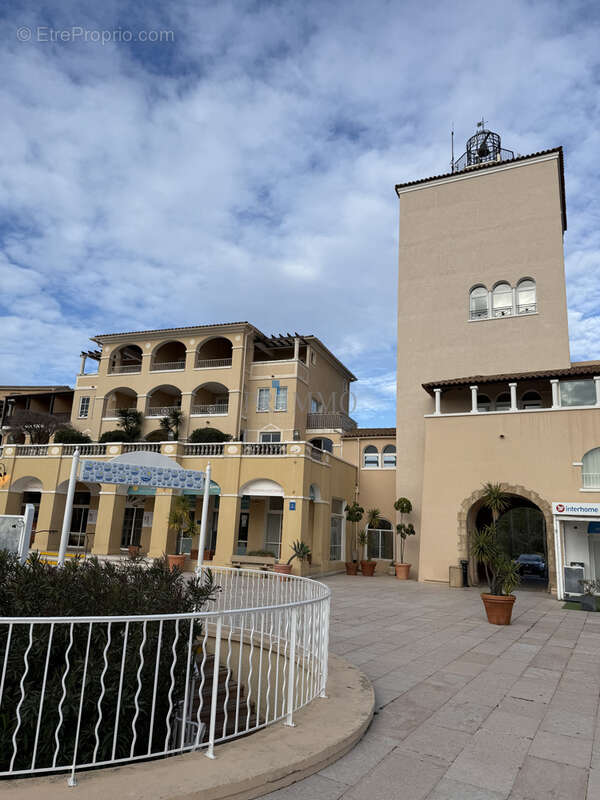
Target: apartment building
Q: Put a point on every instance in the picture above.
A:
(488, 391)
(283, 475)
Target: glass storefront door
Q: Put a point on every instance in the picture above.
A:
(132, 526)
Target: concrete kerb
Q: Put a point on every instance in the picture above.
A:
(244, 768)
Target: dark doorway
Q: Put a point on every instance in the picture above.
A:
(522, 536)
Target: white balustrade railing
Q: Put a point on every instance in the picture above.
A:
(212, 363)
(81, 692)
(146, 447)
(84, 449)
(125, 369)
(207, 449)
(208, 409)
(161, 411)
(158, 366)
(32, 449)
(264, 448)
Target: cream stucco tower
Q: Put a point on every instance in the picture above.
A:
(499, 220)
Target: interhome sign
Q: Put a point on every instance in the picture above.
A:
(138, 475)
(576, 509)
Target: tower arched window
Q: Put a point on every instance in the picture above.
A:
(370, 457)
(503, 402)
(591, 469)
(502, 302)
(526, 297)
(478, 303)
(531, 400)
(483, 402)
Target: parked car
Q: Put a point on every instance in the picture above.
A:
(531, 564)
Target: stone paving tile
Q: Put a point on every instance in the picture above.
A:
(569, 723)
(404, 775)
(314, 788)
(462, 716)
(539, 779)
(491, 761)
(398, 719)
(360, 760)
(432, 740)
(593, 791)
(447, 789)
(511, 723)
(564, 749)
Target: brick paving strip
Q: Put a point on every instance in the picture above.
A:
(465, 710)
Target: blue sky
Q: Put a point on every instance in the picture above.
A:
(245, 169)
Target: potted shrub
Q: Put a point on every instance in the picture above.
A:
(502, 574)
(354, 514)
(590, 589)
(134, 551)
(403, 506)
(367, 564)
(300, 550)
(181, 518)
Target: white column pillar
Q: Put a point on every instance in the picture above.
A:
(473, 399)
(83, 360)
(597, 384)
(555, 393)
(296, 349)
(438, 395)
(513, 396)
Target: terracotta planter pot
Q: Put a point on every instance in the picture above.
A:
(368, 568)
(402, 571)
(351, 568)
(498, 608)
(283, 569)
(176, 562)
(133, 550)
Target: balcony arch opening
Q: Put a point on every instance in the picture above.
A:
(483, 403)
(210, 399)
(117, 400)
(125, 360)
(531, 400)
(162, 400)
(502, 402)
(169, 356)
(214, 353)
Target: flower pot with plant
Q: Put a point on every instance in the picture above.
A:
(300, 550)
(367, 564)
(591, 589)
(133, 551)
(502, 574)
(181, 519)
(404, 530)
(354, 514)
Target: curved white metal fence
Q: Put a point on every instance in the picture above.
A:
(85, 692)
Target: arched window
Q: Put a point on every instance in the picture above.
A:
(502, 300)
(531, 400)
(591, 469)
(526, 297)
(370, 457)
(389, 455)
(478, 303)
(323, 443)
(483, 402)
(503, 402)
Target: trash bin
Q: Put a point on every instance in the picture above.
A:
(464, 564)
(455, 577)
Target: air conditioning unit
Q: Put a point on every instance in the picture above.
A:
(573, 575)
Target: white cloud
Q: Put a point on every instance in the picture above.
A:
(246, 171)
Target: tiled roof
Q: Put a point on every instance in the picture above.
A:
(491, 165)
(369, 433)
(170, 330)
(580, 368)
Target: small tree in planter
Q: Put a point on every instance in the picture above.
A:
(354, 514)
(301, 551)
(403, 506)
(367, 564)
(182, 520)
(591, 588)
(170, 425)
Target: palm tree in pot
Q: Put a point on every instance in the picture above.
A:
(300, 550)
(354, 514)
(403, 506)
(182, 520)
(367, 564)
(502, 573)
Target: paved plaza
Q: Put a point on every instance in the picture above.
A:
(465, 710)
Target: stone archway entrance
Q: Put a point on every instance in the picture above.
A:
(471, 514)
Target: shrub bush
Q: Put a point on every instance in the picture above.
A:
(68, 435)
(200, 435)
(113, 436)
(93, 588)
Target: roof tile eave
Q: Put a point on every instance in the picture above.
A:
(576, 369)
